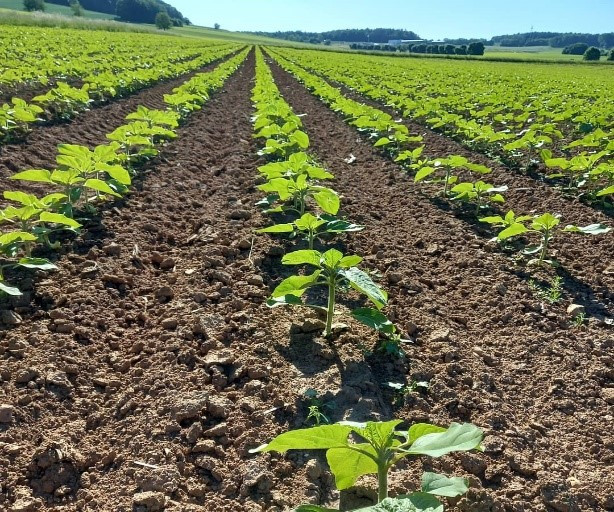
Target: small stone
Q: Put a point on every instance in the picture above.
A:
(6, 413)
(194, 432)
(394, 277)
(255, 280)
(575, 310)
(314, 469)
(8, 317)
(24, 376)
(244, 244)
(219, 407)
(191, 406)
(439, 335)
(240, 215)
(410, 328)
(199, 297)
(152, 501)
(310, 326)
(164, 293)
(112, 250)
(608, 395)
(205, 446)
(168, 263)
(501, 289)
(169, 324)
(58, 380)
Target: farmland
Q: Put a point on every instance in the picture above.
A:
(208, 246)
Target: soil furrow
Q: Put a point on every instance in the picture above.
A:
(493, 354)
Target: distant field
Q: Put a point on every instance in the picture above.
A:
(210, 33)
(17, 5)
(530, 52)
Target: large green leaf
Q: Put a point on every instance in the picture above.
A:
(100, 186)
(513, 230)
(458, 437)
(347, 464)
(37, 263)
(315, 438)
(301, 257)
(295, 285)
(328, 200)
(301, 138)
(9, 290)
(441, 485)
(58, 218)
(361, 282)
(606, 191)
(591, 229)
(418, 430)
(277, 228)
(39, 175)
(374, 319)
(14, 236)
(424, 172)
(332, 258)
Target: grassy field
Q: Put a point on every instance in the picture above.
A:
(530, 53)
(210, 33)
(17, 5)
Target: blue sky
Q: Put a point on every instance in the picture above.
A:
(429, 18)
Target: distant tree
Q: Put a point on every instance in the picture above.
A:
(187, 21)
(449, 49)
(163, 21)
(77, 10)
(475, 48)
(461, 50)
(611, 55)
(326, 42)
(592, 54)
(575, 49)
(442, 49)
(216, 26)
(34, 5)
(606, 40)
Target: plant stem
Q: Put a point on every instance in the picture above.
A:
(546, 239)
(331, 305)
(382, 480)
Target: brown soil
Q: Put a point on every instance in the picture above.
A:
(148, 363)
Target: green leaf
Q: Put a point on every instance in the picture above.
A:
(496, 219)
(38, 263)
(384, 141)
(374, 319)
(15, 236)
(315, 438)
(9, 290)
(58, 218)
(301, 138)
(350, 261)
(117, 172)
(295, 285)
(441, 485)
(301, 257)
(513, 230)
(332, 258)
(38, 175)
(458, 437)
(277, 228)
(100, 186)
(314, 508)
(424, 173)
(361, 282)
(418, 430)
(347, 464)
(328, 200)
(284, 300)
(606, 191)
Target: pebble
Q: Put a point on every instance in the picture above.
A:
(164, 293)
(8, 317)
(169, 323)
(6, 413)
(574, 310)
(439, 335)
(152, 501)
(112, 250)
(168, 264)
(240, 215)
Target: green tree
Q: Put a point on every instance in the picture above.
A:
(475, 48)
(77, 10)
(163, 21)
(33, 5)
(216, 26)
(575, 49)
(592, 54)
(611, 55)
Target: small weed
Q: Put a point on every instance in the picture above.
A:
(316, 407)
(402, 390)
(552, 293)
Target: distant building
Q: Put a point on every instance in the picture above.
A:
(399, 42)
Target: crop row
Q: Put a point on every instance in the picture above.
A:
(394, 140)
(306, 211)
(84, 177)
(32, 55)
(565, 124)
(64, 101)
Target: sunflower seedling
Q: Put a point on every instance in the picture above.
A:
(310, 227)
(316, 407)
(402, 390)
(391, 341)
(545, 226)
(478, 193)
(356, 449)
(296, 191)
(443, 168)
(333, 270)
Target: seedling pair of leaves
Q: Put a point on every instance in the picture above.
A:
(585, 170)
(295, 191)
(16, 117)
(34, 222)
(442, 169)
(391, 340)
(79, 170)
(478, 193)
(65, 101)
(297, 164)
(545, 226)
(137, 140)
(334, 270)
(309, 227)
(357, 449)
